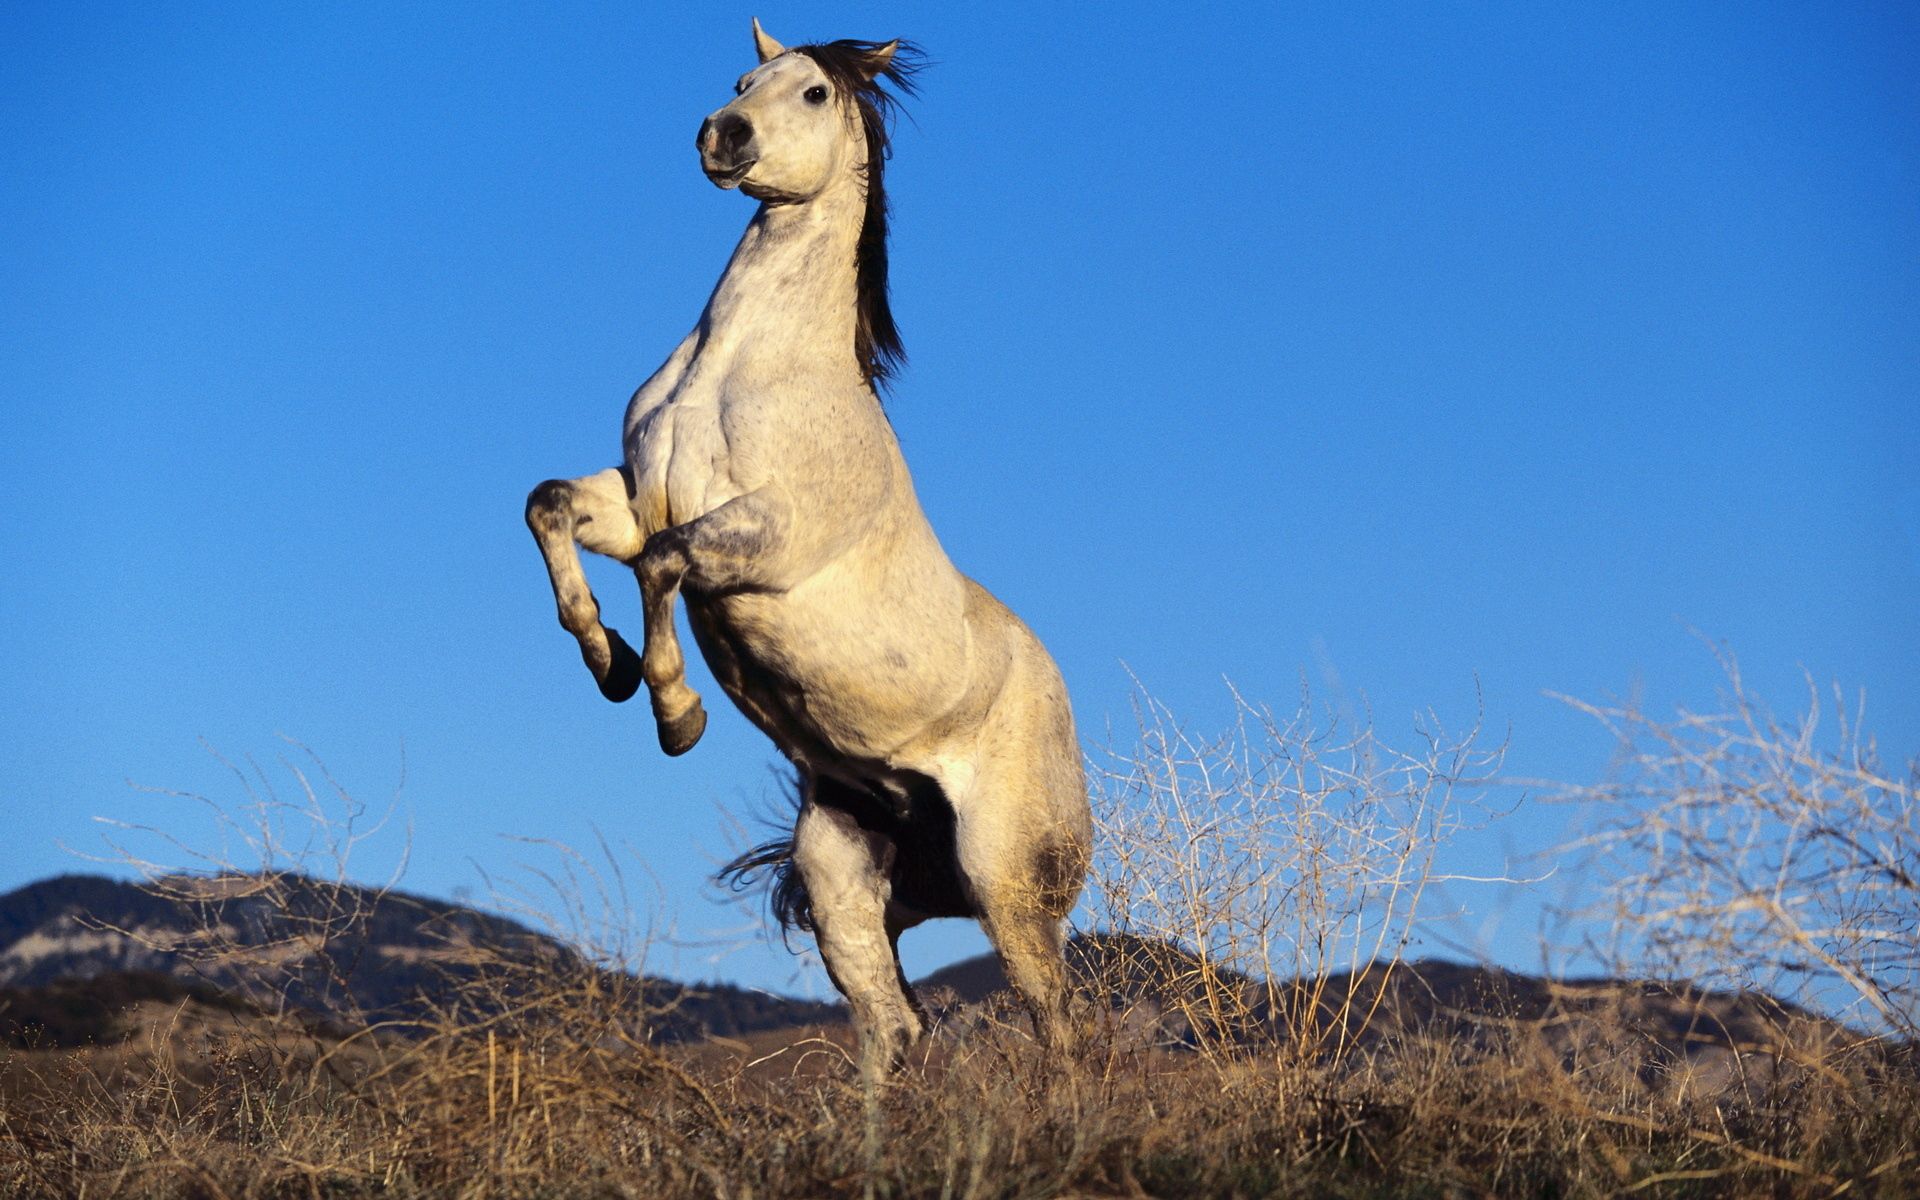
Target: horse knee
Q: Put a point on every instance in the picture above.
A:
(550, 507)
(665, 670)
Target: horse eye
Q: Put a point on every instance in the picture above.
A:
(817, 94)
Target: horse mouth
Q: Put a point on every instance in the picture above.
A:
(732, 176)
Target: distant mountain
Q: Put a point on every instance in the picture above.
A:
(338, 952)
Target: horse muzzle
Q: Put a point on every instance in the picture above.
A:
(725, 143)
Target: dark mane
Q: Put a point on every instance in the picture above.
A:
(849, 65)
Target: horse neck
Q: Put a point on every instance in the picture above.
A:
(789, 289)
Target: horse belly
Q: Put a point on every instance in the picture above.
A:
(841, 669)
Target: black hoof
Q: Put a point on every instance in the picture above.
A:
(623, 676)
(679, 735)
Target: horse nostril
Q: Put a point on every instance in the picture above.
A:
(700, 139)
(733, 134)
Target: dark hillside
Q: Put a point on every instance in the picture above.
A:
(83, 945)
(98, 1011)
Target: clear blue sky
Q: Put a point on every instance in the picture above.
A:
(1398, 348)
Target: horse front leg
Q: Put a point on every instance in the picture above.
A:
(593, 511)
(729, 548)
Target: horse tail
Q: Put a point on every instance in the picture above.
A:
(787, 898)
(772, 862)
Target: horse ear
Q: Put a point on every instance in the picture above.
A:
(764, 45)
(879, 57)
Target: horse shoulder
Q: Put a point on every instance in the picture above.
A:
(825, 447)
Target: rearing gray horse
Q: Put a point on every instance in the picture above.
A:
(939, 771)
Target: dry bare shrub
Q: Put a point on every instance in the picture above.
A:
(1736, 848)
(276, 915)
(1776, 858)
(1268, 879)
(1260, 872)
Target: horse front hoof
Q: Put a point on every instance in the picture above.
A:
(678, 734)
(623, 674)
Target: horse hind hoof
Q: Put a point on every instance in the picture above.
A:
(622, 679)
(678, 734)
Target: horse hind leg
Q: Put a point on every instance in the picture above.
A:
(845, 869)
(1029, 939)
(1022, 838)
(592, 511)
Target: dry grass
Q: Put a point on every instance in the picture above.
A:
(571, 1109)
(1270, 1050)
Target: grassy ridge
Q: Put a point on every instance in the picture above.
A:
(1248, 1027)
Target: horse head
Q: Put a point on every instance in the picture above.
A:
(809, 118)
(803, 119)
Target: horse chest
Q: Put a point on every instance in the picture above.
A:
(679, 458)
